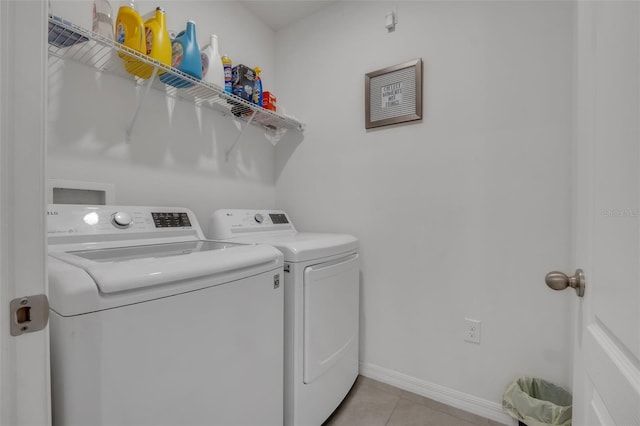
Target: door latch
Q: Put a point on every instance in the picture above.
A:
(29, 314)
(276, 281)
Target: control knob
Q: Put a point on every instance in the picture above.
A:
(121, 220)
(259, 218)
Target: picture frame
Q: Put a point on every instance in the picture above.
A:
(393, 94)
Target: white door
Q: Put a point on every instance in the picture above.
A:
(607, 341)
(24, 360)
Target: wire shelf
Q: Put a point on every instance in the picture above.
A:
(69, 41)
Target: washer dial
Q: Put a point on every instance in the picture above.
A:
(259, 218)
(121, 220)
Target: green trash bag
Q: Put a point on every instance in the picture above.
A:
(536, 402)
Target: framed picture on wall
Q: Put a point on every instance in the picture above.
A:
(394, 94)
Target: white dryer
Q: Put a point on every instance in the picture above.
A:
(153, 325)
(321, 283)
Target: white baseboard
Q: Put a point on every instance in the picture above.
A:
(451, 397)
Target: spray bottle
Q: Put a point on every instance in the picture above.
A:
(257, 88)
(226, 63)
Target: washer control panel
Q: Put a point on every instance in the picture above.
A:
(75, 220)
(229, 222)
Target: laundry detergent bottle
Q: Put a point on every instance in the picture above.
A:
(212, 69)
(185, 57)
(157, 44)
(103, 19)
(129, 30)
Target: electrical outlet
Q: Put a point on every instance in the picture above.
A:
(472, 331)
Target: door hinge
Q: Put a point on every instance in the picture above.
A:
(29, 314)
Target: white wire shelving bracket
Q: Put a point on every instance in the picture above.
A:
(69, 41)
(233, 145)
(139, 103)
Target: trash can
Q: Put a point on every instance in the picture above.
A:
(536, 402)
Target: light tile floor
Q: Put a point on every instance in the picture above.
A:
(372, 403)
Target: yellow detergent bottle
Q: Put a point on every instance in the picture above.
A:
(157, 45)
(129, 30)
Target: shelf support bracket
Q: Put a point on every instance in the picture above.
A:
(139, 103)
(228, 153)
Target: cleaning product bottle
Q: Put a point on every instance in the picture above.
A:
(102, 18)
(212, 69)
(226, 64)
(129, 30)
(157, 44)
(185, 56)
(257, 88)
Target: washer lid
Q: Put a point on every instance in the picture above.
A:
(127, 268)
(304, 246)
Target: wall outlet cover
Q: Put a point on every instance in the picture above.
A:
(472, 331)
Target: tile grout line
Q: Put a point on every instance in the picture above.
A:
(438, 408)
(448, 411)
(394, 408)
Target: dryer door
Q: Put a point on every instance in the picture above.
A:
(331, 313)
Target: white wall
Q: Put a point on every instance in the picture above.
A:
(458, 216)
(177, 156)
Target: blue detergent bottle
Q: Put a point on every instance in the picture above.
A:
(185, 56)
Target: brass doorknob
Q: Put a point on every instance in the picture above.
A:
(559, 281)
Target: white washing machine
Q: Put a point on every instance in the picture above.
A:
(321, 282)
(153, 325)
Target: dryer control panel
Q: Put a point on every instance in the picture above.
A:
(227, 223)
